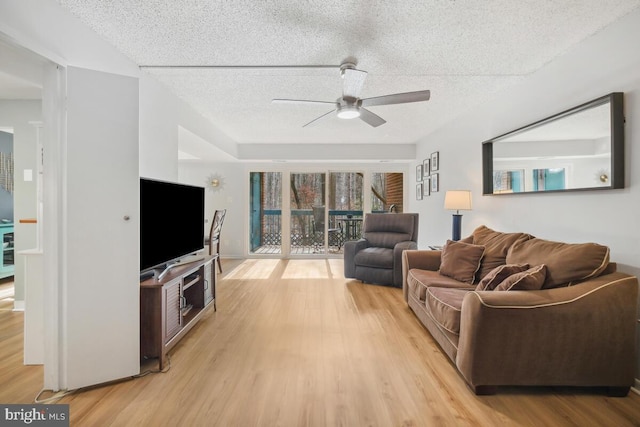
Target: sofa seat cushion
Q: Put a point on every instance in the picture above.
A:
(445, 306)
(566, 262)
(496, 246)
(460, 260)
(419, 280)
(375, 257)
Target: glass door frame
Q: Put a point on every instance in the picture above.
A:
(286, 169)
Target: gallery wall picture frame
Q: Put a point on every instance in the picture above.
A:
(426, 167)
(419, 191)
(419, 173)
(435, 182)
(435, 161)
(426, 187)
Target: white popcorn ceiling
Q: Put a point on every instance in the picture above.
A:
(461, 50)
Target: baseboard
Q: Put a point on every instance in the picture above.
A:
(636, 387)
(18, 305)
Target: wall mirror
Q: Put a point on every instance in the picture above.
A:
(579, 149)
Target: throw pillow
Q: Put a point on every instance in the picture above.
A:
(529, 280)
(460, 260)
(498, 274)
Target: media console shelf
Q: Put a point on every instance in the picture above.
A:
(170, 307)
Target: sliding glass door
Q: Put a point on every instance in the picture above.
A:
(315, 213)
(265, 212)
(346, 204)
(307, 213)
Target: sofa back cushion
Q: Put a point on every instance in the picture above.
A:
(386, 239)
(387, 230)
(496, 246)
(566, 262)
(460, 260)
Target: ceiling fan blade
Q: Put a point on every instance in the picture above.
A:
(301, 101)
(318, 118)
(371, 118)
(398, 98)
(353, 82)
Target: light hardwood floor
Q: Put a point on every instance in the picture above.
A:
(295, 344)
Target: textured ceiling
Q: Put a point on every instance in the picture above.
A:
(463, 51)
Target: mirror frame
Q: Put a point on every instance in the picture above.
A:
(615, 100)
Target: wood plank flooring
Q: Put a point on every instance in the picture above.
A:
(295, 344)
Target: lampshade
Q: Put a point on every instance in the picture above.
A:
(458, 200)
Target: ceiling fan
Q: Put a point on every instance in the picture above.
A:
(351, 106)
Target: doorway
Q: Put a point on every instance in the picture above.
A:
(7, 234)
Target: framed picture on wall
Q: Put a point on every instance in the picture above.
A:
(419, 191)
(426, 187)
(419, 173)
(435, 184)
(435, 161)
(426, 168)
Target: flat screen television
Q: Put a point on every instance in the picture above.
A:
(171, 222)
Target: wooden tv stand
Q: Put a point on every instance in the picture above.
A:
(170, 307)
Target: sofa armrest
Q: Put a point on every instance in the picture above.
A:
(422, 259)
(350, 249)
(419, 258)
(583, 335)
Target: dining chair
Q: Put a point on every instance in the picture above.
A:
(214, 234)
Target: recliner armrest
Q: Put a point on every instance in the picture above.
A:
(351, 248)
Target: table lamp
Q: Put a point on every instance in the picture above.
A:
(457, 200)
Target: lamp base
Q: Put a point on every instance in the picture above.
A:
(457, 227)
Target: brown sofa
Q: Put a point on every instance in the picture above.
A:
(510, 309)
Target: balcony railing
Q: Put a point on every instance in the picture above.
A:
(302, 235)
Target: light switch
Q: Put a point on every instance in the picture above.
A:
(28, 175)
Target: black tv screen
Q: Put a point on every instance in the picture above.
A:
(171, 222)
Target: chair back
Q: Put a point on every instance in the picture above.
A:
(386, 230)
(216, 225)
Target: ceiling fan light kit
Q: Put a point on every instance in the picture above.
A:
(351, 106)
(348, 112)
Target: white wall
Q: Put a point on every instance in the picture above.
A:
(608, 62)
(229, 197)
(162, 116)
(158, 131)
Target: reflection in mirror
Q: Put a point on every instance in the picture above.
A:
(581, 148)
